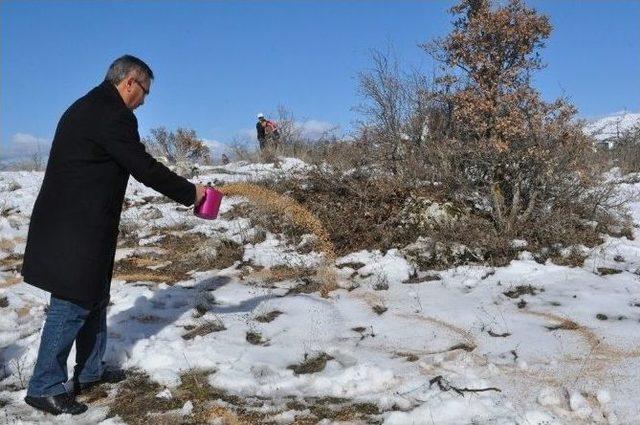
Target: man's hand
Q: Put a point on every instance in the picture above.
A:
(199, 193)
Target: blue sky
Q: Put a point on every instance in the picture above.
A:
(217, 64)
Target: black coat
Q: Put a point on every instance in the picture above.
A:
(74, 225)
(260, 132)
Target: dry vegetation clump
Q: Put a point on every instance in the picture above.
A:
(136, 399)
(521, 290)
(336, 409)
(128, 233)
(204, 329)
(311, 364)
(279, 273)
(361, 212)
(357, 211)
(268, 317)
(255, 338)
(306, 286)
(136, 402)
(574, 258)
(379, 309)
(339, 410)
(179, 254)
(11, 263)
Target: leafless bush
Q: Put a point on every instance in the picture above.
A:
(392, 101)
(180, 147)
(34, 160)
(626, 151)
(19, 365)
(38, 158)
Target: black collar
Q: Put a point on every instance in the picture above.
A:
(110, 90)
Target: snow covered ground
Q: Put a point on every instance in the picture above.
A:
(612, 126)
(528, 343)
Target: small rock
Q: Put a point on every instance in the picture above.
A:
(601, 316)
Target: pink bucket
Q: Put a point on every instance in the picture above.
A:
(210, 204)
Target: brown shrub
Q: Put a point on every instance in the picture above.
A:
(357, 212)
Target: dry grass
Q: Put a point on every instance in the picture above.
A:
(575, 258)
(11, 263)
(410, 357)
(379, 309)
(205, 329)
(604, 271)
(180, 254)
(223, 416)
(268, 317)
(136, 399)
(521, 290)
(313, 364)
(255, 338)
(135, 402)
(10, 281)
(6, 244)
(279, 273)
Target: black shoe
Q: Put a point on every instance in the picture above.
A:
(109, 376)
(57, 404)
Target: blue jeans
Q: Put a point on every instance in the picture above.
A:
(68, 321)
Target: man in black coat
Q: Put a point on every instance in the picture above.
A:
(74, 228)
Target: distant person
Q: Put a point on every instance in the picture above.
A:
(74, 228)
(267, 132)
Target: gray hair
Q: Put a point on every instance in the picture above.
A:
(122, 66)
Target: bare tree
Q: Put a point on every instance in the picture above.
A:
(387, 108)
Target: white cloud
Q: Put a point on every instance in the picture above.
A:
(216, 147)
(314, 129)
(247, 134)
(23, 145)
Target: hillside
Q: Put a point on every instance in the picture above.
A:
(222, 321)
(612, 126)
